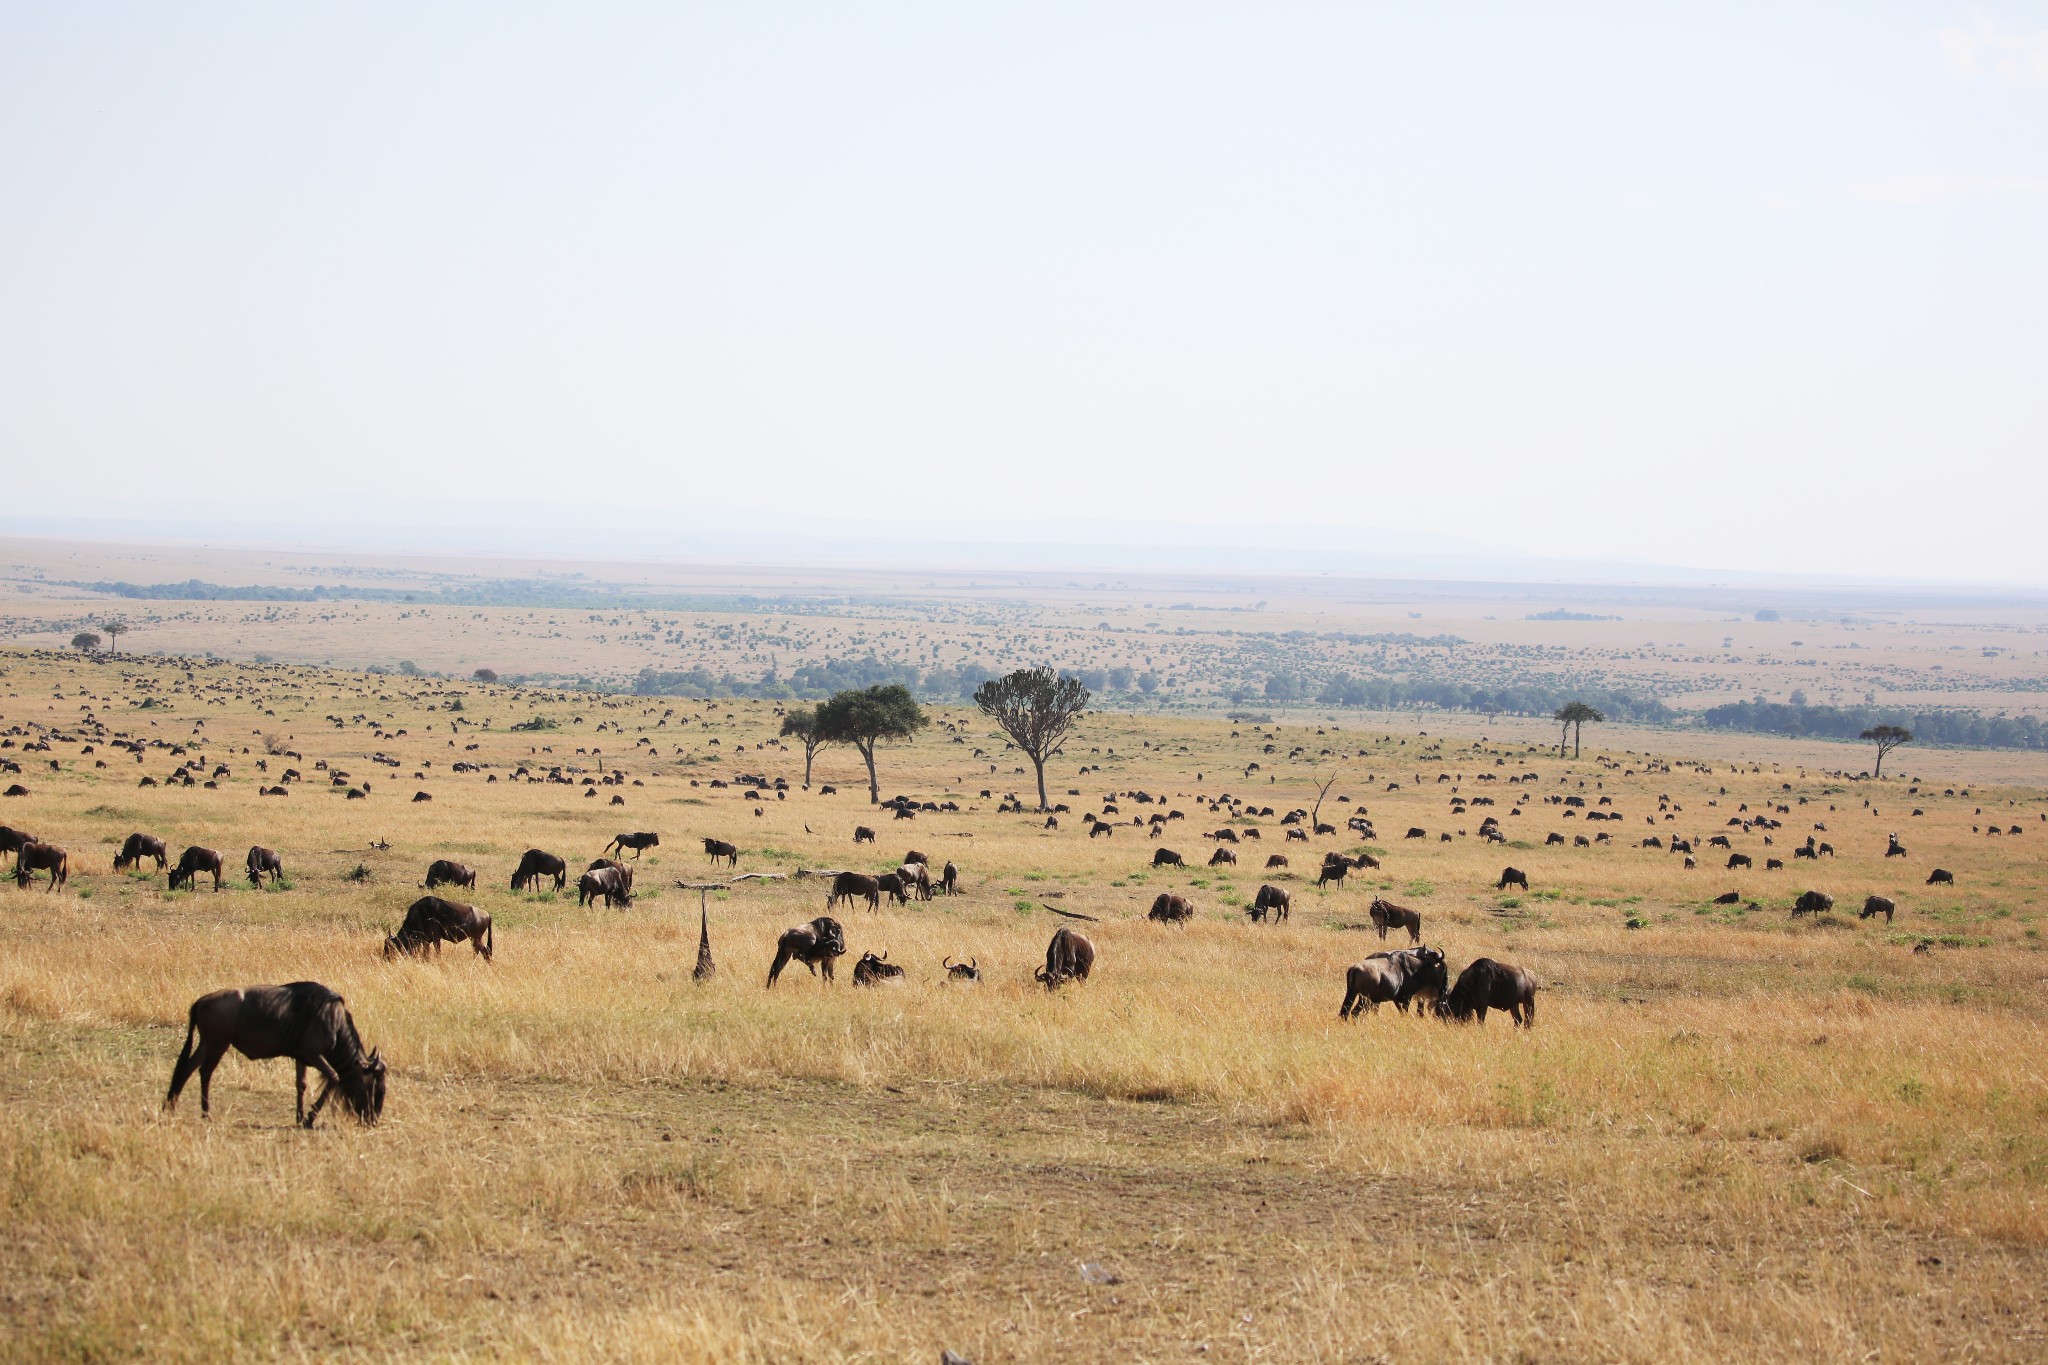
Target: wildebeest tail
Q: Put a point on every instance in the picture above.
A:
(490, 944)
(184, 1062)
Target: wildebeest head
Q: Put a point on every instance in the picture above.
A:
(362, 1091)
(831, 938)
(970, 970)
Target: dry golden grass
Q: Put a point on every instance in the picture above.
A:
(1729, 1134)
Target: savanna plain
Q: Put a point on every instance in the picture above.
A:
(1730, 1133)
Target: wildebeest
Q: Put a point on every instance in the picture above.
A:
(431, 921)
(1813, 903)
(1512, 876)
(896, 886)
(138, 847)
(915, 856)
(1774, 864)
(263, 862)
(1896, 849)
(1332, 870)
(815, 945)
(873, 971)
(11, 840)
(1170, 908)
(1878, 905)
(1486, 985)
(194, 861)
(1271, 900)
(970, 970)
(848, 885)
(1276, 860)
(304, 1021)
(1387, 915)
(1728, 898)
(32, 858)
(949, 880)
(1397, 976)
(1416, 832)
(1222, 855)
(1166, 857)
(1739, 860)
(863, 835)
(537, 864)
(916, 877)
(1069, 956)
(714, 849)
(445, 872)
(422, 796)
(1941, 874)
(636, 842)
(612, 883)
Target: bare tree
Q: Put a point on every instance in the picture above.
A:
(1037, 709)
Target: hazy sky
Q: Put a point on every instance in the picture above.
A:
(1746, 286)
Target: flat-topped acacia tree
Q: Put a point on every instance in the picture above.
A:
(1037, 709)
(865, 717)
(1886, 738)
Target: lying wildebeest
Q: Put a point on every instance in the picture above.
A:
(1387, 915)
(863, 835)
(1068, 957)
(1728, 898)
(1739, 860)
(1813, 903)
(1486, 985)
(445, 872)
(848, 885)
(873, 971)
(970, 970)
(1941, 874)
(1169, 908)
(1276, 860)
(714, 849)
(263, 862)
(32, 858)
(138, 847)
(815, 945)
(1166, 857)
(1271, 900)
(431, 921)
(1398, 977)
(637, 842)
(537, 864)
(194, 861)
(611, 882)
(1878, 905)
(304, 1021)
(949, 880)
(1222, 855)
(1512, 876)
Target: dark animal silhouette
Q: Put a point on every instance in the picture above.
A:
(1068, 957)
(1512, 876)
(969, 970)
(431, 921)
(1276, 860)
(1397, 976)
(1941, 875)
(1728, 898)
(714, 849)
(11, 840)
(863, 835)
(1739, 860)
(1169, 908)
(637, 842)
(949, 880)
(445, 872)
(1222, 855)
(32, 858)
(1333, 871)
(874, 971)
(194, 861)
(1271, 900)
(1166, 857)
(815, 945)
(263, 862)
(537, 864)
(848, 885)
(138, 847)
(1486, 985)
(611, 883)
(1878, 905)
(1813, 903)
(896, 886)
(304, 1021)
(1387, 915)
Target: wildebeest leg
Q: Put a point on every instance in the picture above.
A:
(1479, 1013)
(209, 1058)
(781, 961)
(329, 1079)
(300, 1113)
(1350, 997)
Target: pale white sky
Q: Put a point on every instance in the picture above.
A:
(1760, 287)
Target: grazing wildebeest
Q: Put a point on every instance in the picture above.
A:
(1101, 827)
(15, 789)
(1719, 841)
(1774, 864)
(1276, 860)
(1398, 976)
(1878, 905)
(949, 880)
(1813, 903)
(1166, 857)
(1486, 985)
(863, 835)
(263, 862)
(431, 921)
(1941, 874)
(895, 886)
(1271, 900)
(138, 847)
(304, 1021)
(1169, 908)
(32, 858)
(194, 861)
(847, 885)
(636, 842)
(537, 864)
(1416, 832)
(422, 796)
(1387, 915)
(611, 882)
(1805, 851)
(1222, 855)
(918, 878)
(714, 849)
(970, 970)
(445, 872)
(1728, 898)
(1739, 860)
(1068, 957)
(1512, 876)
(1552, 838)
(815, 945)
(873, 971)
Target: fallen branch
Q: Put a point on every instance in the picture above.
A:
(1069, 914)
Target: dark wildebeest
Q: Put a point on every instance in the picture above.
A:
(611, 882)
(636, 842)
(1166, 857)
(1270, 900)
(873, 971)
(1739, 860)
(1398, 976)
(1387, 915)
(896, 886)
(970, 970)
(1169, 908)
(714, 849)
(1486, 985)
(1719, 841)
(863, 835)
(194, 861)
(445, 872)
(264, 862)
(431, 921)
(11, 840)
(1728, 898)
(848, 885)
(422, 796)
(32, 858)
(815, 945)
(1068, 957)
(1552, 838)
(1222, 855)
(916, 856)
(1103, 828)
(1333, 870)
(1813, 903)
(1512, 876)
(1941, 874)
(1895, 849)
(304, 1021)
(1276, 860)
(949, 880)
(1878, 905)
(1774, 864)
(537, 864)
(1416, 832)
(138, 847)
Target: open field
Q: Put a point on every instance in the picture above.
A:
(1730, 1133)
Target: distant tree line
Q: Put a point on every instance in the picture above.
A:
(1516, 699)
(1970, 728)
(504, 592)
(811, 681)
